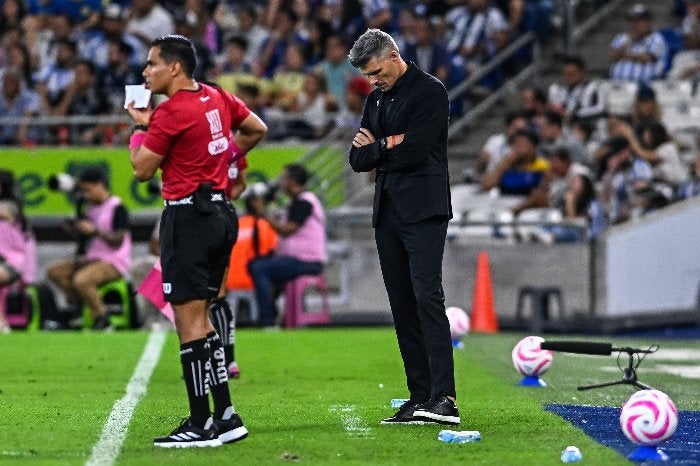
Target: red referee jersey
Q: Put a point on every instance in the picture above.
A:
(192, 130)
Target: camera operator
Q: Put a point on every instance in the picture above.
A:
(104, 228)
(301, 248)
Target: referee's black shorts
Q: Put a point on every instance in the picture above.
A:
(195, 249)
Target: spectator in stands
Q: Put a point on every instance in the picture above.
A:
(315, 48)
(283, 34)
(120, 72)
(84, 98)
(638, 55)
(498, 146)
(301, 249)
(288, 79)
(148, 20)
(350, 116)
(533, 102)
(552, 135)
(430, 55)
(17, 243)
(565, 193)
(656, 147)
(691, 26)
(204, 28)
(17, 101)
(646, 108)
(186, 24)
(252, 97)
(521, 171)
(18, 58)
(53, 80)
(12, 14)
(52, 32)
(107, 255)
(556, 180)
(377, 14)
(114, 28)
(624, 178)
(314, 105)
(584, 130)
(234, 69)
(576, 96)
(336, 68)
(474, 28)
(250, 28)
(686, 63)
(405, 36)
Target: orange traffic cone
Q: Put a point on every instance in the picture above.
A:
(483, 312)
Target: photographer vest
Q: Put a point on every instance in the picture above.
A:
(102, 216)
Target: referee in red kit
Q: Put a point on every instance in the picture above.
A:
(193, 137)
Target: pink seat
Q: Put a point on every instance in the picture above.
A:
(295, 312)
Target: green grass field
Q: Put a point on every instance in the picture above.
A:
(307, 396)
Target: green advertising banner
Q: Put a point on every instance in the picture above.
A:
(33, 168)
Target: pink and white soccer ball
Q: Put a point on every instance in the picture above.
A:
(649, 417)
(529, 359)
(459, 322)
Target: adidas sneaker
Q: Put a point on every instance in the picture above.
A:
(188, 435)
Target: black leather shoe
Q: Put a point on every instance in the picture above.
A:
(404, 416)
(441, 410)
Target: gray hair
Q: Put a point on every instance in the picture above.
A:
(372, 44)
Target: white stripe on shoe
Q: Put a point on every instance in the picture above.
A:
(453, 420)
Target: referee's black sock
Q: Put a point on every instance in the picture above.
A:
(218, 376)
(194, 356)
(224, 323)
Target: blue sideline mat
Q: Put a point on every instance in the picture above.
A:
(603, 425)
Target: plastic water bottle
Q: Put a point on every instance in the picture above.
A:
(459, 436)
(397, 402)
(571, 455)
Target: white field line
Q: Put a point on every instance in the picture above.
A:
(107, 448)
(354, 425)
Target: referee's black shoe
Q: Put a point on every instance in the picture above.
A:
(404, 416)
(188, 435)
(231, 429)
(441, 410)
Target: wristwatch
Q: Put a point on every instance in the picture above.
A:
(382, 144)
(139, 127)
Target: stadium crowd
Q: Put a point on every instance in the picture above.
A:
(594, 151)
(286, 60)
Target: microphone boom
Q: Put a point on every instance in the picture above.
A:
(580, 347)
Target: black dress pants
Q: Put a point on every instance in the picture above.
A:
(410, 256)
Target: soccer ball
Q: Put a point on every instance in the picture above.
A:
(529, 359)
(459, 322)
(649, 417)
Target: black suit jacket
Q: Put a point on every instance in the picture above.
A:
(414, 173)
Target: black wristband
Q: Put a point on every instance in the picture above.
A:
(141, 127)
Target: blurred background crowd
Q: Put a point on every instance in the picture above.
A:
(74, 57)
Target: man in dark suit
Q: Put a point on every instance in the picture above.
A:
(403, 136)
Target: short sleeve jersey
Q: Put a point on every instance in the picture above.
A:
(192, 130)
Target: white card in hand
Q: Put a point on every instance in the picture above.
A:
(137, 94)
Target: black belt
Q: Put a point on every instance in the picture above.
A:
(216, 196)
